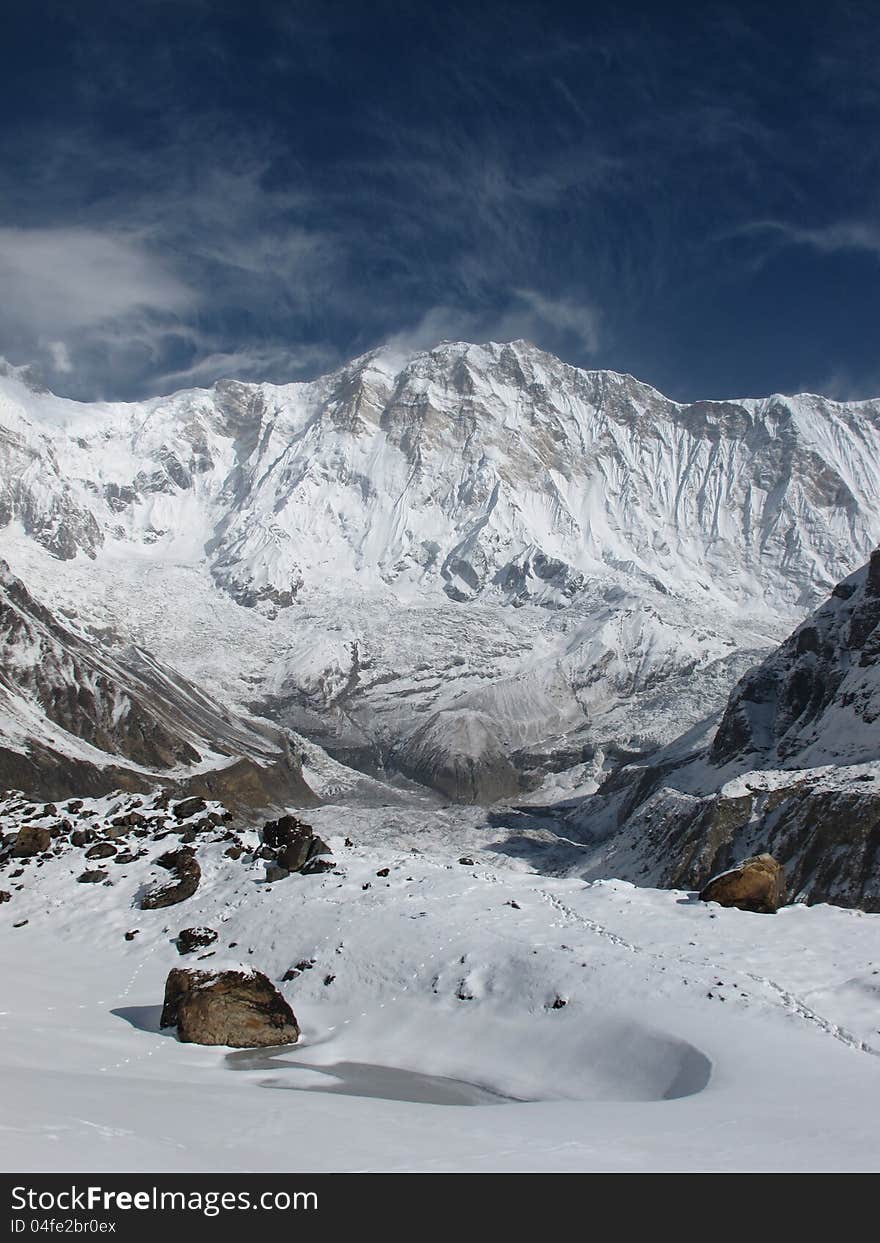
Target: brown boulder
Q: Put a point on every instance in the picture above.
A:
(177, 860)
(102, 850)
(29, 841)
(756, 884)
(130, 820)
(241, 1009)
(170, 895)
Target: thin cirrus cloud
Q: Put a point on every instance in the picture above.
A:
(841, 235)
(272, 192)
(279, 362)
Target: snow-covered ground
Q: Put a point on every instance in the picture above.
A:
(455, 1016)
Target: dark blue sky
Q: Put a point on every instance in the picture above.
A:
(192, 188)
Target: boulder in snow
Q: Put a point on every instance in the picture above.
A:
(241, 1008)
(756, 884)
(29, 840)
(184, 866)
(188, 807)
(189, 939)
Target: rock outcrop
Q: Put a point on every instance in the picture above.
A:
(239, 1008)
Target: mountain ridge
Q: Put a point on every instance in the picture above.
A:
(370, 557)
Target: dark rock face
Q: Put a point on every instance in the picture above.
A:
(176, 860)
(315, 866)
(240, 1009)
(816, 699)
(91, 878)
(827, 839)
(284, 831)
(295, 856)
(29, 841)
(756, 884)
(190, 939)
(185, 868)
(130, 820)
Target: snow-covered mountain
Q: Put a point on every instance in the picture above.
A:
(472, 566)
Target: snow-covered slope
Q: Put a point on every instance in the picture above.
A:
(406, 546)
(455, 1016)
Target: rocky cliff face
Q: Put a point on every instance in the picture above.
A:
(793, 769)
(816, 700)
(823, 827)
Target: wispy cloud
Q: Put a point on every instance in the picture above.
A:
(564, 315)
(828, 239)
(528, 315)
(278, 364)
(60, 355)
(61, 279)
